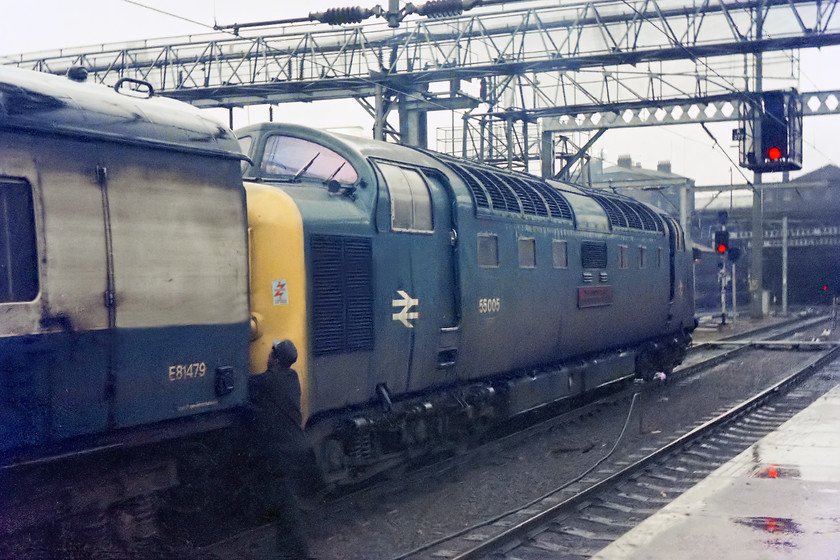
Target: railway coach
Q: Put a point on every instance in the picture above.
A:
(124, 315)
(432, 297)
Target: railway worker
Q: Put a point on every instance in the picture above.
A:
(279, 447)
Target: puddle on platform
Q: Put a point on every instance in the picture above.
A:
(773, 525)
(775, 471)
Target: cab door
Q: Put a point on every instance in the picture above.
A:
(418, 276)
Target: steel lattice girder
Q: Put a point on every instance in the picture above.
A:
(306, 62)
(672, 111)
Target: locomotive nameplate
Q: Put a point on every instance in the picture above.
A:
(595, 296)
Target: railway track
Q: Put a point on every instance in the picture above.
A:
(584, 515)
(594, 523)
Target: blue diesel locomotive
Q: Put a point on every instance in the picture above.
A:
(435, 296)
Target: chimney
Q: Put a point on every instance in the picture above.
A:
(664, 167)
(625, 161)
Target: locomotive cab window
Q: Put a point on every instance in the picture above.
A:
(18, 249)
(411, 200)
(287, 157)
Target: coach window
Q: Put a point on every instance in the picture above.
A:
(245, 143)
(642, 257)
(622, 257)
(288, 157)
(560, 254)
(527, 252)
(411, 201)
(18, 250)
(488, 251)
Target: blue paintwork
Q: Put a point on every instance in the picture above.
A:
(539, 321)
(54, 386)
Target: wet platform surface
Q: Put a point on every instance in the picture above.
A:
(778, 499)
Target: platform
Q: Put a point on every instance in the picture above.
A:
(778, 499)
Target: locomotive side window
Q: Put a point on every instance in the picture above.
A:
(488, 251)
(411, 201)
(643, 257)
(287, 157)
(660, 262)
(527, 252)
(623, 261)
(18, 250)
(560, 254)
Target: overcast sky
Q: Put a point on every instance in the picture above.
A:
(38, 25)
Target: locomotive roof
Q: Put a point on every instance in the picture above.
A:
(48, 104)
(495, 191)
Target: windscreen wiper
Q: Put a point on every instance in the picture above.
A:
(305, 167)
(331, 177)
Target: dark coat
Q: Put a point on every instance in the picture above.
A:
(275, 418)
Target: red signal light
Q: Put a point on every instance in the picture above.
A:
(721, 248)
(825, 288)
(774, 153)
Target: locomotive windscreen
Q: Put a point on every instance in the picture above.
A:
(291, 157)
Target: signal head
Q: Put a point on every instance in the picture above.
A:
(721, 241)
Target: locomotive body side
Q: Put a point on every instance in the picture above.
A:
(435, 286)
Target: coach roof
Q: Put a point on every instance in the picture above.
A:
(55, 105)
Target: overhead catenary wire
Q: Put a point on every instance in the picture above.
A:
(230, 31)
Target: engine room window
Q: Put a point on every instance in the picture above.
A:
(642, 257)
(527, 253)
(660, 262)
(286, 156)
(18, 249)
(488, 251)
(622, 257)
(411, 201)
(560, 254)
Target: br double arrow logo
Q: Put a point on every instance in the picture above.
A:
(405, 314)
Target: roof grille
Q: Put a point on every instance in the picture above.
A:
(507, 192)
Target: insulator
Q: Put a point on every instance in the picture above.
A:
(442, 8)
(341, 16)
(392, 60)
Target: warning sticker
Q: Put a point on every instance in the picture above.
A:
(281, 294)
